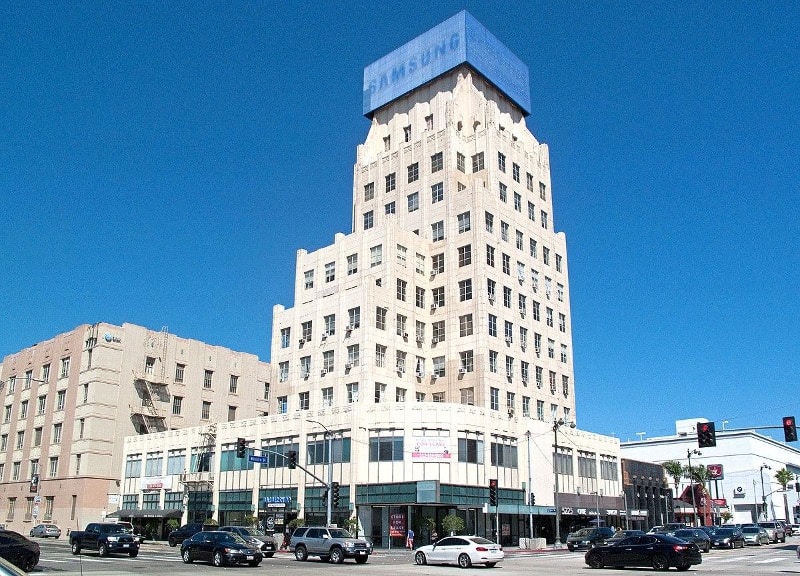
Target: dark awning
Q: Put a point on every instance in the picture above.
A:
(139, 513)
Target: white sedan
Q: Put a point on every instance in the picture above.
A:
(462, 550)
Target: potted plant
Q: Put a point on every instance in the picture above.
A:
(210, 524)
(452, 523)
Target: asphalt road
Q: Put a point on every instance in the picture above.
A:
(159, 559)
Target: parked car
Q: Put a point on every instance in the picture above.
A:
(727, 537)
(787, 528)
(755, 535)
(131, 530)
(219, 548)
(46, 531)
(774, 531)
(588, 537)
(462, 550)
(18, 550)
(334, 544)
(256, 538)
(186, 531)
(696, 536)
(658, 551)
(8, 569)
(622, 534)
(105, 538)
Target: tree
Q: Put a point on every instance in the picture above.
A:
(784, 477)
(452, 523)
(674, 469)
(698, 474)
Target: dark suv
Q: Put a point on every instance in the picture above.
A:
(588, 538)
(18, 550)
(186, 531)
(334, 544)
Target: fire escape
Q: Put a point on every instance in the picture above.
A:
(198, 482)
(151, 386)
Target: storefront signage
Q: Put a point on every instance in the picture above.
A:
(156, 483)
(397, 525)
(431, 450)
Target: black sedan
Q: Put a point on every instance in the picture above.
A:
(18, 550)
(219, 548)
(727, 538)
(696, 536)
(656, 550)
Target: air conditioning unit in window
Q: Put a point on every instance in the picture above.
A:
(405, 335)
(434, 376)
(434, 272)
(434, 307)
(348, 328)
(420, 374)
(323, 372)
(538, 351)
(324, 335)
(509, 374)
(491, 298)
(420, 339)
(302, 341)
(523, 345)
(348, 366)
(508, 340)
(435, 340)
(510, 412)
(524, 379)
(400, 369)
(306, 374)
(522, 312)
(462, 370)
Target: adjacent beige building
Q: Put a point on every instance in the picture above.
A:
(69, 402)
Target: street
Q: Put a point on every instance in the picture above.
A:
(161, 559)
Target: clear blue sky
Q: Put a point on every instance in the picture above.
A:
(161, 163)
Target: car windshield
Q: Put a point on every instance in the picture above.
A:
(339, 533)
(584, 532)
(750, 530)
(723, 531)
(115, 529)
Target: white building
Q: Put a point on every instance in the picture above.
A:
(434, 341)
(747, 460)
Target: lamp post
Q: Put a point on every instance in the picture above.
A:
(530, 486)
(329, 436)
(597, 511)
(689, 453)
(763, 496)
(557, 423)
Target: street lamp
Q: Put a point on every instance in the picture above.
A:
(556, 425)
(329, 436)
(530, 486)
(598, 493)
(763, 496)
(689, 453)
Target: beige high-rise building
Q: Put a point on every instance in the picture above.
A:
(69, 402)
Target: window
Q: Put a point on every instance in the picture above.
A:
(464, 255)
(352, 264)
(438, 366)
(400, 395)
(533, 248)
(406, 133)
(501, 162)
(437, 162)
(37, 436)
(52, 469)
(508, 331)
(515, 171)
(490, 255)
(489, 219)
(437, 192)
(470, 449)
(419, 297)
(506, 264)
(286, 334)
(352, 393)
(525, 371)
(437, 263)
(303, 401)
(549, 316)
(23, 409)
(283, 371)
(510, 402)
(12, 383)
(7, 414)
(477, 162)
(413, 202)
(205, 411)
(402, 285)
(544, 219)
(438, 297)
(504, 455)
(380, 392)
(330, 272)
(327, 397)
(369, 220)
(234, 384)
(558, 263)
(57, 429)
(283, 404)
(305, 366)
(354, 317)
(306, 330)
(461, 162)
(491, 290)
(539, 376)
(64, 368)
(419, 263)
(494, 398)
(509, 367)
(546, 255)
(177, 402)
(520, 240)
(41, 403)
(465, 290)
(380, 318)
(401, 326)
(391, 182)
(437, 231)
(266, 391)
(503, 192)
(353, 356)
(529, 181)
(465, 325)
(504, 231)
(149, 365)
(531, 212)
(413, 172)
(4, 442)
(542, 191)
(45, 373)
(369, 191)
(390, 208)
(386, 448)
(466, 361)
(517, 202)
(463, 222)
(563, 352)
(376, 256)
(429, 122)
(328, 360)
(438, 331)
(562, 322)
(492, 325)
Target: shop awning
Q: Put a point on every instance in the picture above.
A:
(151, 513)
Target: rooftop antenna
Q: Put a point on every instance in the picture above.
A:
(641, 435)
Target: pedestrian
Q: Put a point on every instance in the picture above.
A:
(285, 543)
(434, 536)
(410, 539)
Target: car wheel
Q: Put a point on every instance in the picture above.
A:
(464, 561)
(28, 563)
(660, 562)
(172, 542)
(254, 563)
(337, 556)
(133, 553)
(301, 553)
(218, 559)
(594, 560)
(102, 549)
(31, 533)
(491, 564)
(420, 559)
(187, 557)
(683, 567)
(269, 555)
(76, 548)
(361, 559)
(570, 548)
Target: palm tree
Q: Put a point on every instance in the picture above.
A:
(784, 477)
(674, 469)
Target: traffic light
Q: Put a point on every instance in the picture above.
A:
(241, 447)
(292, 456)
(325, 497)
(533, 499)
(789, 429)
(335, 494)
(493, 492)
(706, 434)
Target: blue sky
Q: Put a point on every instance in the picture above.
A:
(161, 163)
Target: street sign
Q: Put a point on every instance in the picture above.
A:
(259, 459)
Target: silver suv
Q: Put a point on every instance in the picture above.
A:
(334, 544)
(774, 531)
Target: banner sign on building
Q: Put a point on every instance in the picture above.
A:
(431, 450)
(715, 472)
(397, 525)
(156, 483)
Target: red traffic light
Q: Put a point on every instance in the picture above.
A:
(789, 429)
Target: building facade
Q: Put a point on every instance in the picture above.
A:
(742, 468)
(431, 346)
(69, 402)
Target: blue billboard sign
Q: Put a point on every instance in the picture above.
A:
(458, 40)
